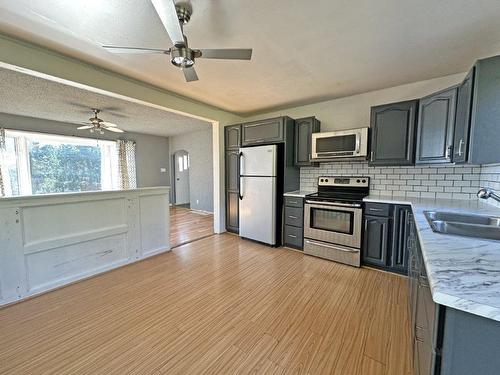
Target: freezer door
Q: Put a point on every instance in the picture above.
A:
(258, 209)
(258, 161)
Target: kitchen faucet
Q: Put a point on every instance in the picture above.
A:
(485, 193)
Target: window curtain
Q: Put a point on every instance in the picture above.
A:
(2, 149)
(126, 164)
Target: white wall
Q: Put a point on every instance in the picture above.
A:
(354, 111)
(201, 180)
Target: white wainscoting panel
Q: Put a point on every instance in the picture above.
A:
(49, 241)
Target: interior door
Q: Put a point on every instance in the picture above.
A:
(181, 175)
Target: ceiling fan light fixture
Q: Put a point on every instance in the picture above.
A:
(182, 57)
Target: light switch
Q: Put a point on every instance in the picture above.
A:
(163, 170)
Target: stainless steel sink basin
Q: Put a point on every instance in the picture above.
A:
(479, 226)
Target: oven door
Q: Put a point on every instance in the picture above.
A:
(333, 222)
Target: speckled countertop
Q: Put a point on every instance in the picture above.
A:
(298, 193)
(463, 272)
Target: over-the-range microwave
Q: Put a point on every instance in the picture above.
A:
(352, 143)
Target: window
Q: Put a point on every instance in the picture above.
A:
(40, 164)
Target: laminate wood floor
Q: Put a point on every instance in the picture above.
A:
(220, 305)
(187, 225)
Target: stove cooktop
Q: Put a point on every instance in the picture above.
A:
(341, 189)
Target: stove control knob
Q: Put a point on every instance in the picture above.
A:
(326, 179)
(358, 181)
(364, 181)
(320, 180)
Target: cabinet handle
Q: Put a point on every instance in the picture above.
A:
(376, 209)
(371, 156)
(460, 144)
(292, 217)
(292, 235)
(293, 202)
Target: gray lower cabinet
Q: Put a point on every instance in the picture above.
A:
(232, 212)
(304, 128)
(446, 341)
(293, 235)
(376, 240)
(393, 133)
(385, 237)
(436, 122)
(265, 131)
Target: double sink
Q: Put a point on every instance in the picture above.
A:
(470, 225)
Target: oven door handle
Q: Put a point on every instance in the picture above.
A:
(331, 246)
(358, 142)
(334, 204)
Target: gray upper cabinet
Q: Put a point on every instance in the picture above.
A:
(304, 128)
(462, 121)
(393, 133)
(436, 121)
(261, 132)
(476, 137)
(233, 137)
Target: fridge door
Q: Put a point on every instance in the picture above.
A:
(258, 161)
(258, 209)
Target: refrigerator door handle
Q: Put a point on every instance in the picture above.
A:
(240, 157)
(239, 190)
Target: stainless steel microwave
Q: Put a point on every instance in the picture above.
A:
(351, 143)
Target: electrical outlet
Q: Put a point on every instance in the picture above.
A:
(197, 201)
(163, 170)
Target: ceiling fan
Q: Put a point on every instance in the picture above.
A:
(98, 125)
(173, 16)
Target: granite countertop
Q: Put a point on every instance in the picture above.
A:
(463, 272)
(298, 193)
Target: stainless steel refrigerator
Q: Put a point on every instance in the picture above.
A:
(258, 189)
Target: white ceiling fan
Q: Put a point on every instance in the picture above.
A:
(97, 125)
(173, 16)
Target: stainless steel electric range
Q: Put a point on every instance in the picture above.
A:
(333, 219)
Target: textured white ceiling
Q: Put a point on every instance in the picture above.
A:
(304, 51)
(26, 95)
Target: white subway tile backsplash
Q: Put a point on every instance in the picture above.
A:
(429, 181)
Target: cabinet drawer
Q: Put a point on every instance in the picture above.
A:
(294, 216)
(377, 209)
(293, 237)
(294, 202)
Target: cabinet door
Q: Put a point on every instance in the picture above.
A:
(233, 137)
(303, 136)
(462, 121)
(267, 131)
(436, 121)
(232, 212)
(393, 134)
(400, 231)
(376, 240)
(232, 170)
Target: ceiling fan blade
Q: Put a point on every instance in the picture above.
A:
(168, 16)
(190, 74)
(226, 53)
(114, 130)
(85, 127)
(109, 124)
(135, 50)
